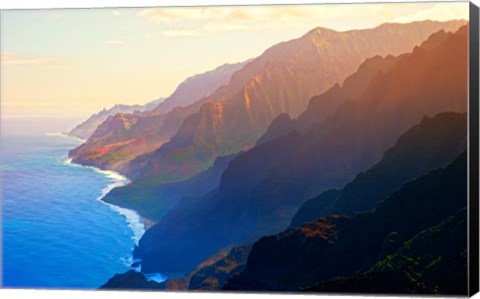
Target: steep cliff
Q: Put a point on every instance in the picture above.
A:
(262, 188)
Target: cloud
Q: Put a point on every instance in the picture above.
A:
(180, 33)
(176, 32)
(208, 20)
(116, 13)
(438, 12)
(172, 15)
(231, 15)
(10, 58)
(217, 27)
(115, 42)
(58, 67)
(190, 21)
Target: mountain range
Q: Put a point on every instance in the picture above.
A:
(213, 273)
(124, 136)
(122, 141)
(332, 162)
(339, 246)
(261, 189)
(281, 80)
(433, 143)
(88, 127)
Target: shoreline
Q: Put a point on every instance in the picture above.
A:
(137, 223)
(131, 216)
(63, 134)
(134, 220)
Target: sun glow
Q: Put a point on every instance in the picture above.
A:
(72, 63)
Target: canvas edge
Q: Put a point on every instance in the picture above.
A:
(473, 156)
(473, 204)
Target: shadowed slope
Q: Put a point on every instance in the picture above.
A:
(262, 188)
(434, 261)
(340, 246)
(434, 143)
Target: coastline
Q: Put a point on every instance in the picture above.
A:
(62, 134)
(135, 221)
(57, 213)
(119, 181)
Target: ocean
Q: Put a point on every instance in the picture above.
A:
(57, 233)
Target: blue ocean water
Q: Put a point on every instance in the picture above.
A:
(56, 231)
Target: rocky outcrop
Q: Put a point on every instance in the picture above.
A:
(213, 277)
(131, 280)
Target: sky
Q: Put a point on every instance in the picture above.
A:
(72, 63)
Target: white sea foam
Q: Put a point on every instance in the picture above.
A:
(69, 162)
(157, 277)
(113, 175)
(139, 263)
(58, 134)
(128, 261)
(133, 219)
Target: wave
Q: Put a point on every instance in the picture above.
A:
(108, 173)
(156, 277)
(134, 264)
(112, 175)
(59, 134)
(133, 219)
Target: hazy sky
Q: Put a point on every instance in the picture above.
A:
(72, 63)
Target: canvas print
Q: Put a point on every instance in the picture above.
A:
(315, 148)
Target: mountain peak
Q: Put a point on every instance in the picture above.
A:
(320, 30)
(319, 33)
